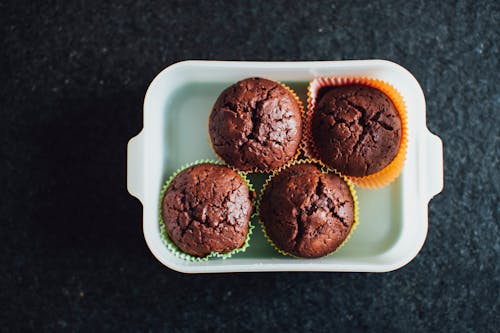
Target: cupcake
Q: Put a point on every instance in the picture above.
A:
(307, 212)
(206, 209)
(357, 129)
(256, 125)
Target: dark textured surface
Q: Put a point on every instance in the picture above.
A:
(206, 208)
(356, 129)
(256, 125)
(73, 77)
(306, 212)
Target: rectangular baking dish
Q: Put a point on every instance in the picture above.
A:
(393, 220)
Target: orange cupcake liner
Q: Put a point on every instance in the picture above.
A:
(394, 168)
(324, 169)
(300, 147)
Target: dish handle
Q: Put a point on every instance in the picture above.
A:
(135, 166)
(434, 167)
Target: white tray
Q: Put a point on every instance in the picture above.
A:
(393, 220)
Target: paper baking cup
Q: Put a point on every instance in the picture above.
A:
(394, 168)
(324, 169)
(163, 230)
(300, 147)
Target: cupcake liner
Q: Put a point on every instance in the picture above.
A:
(300, 147)
(394, 168)
(163, 230)
(324, 169)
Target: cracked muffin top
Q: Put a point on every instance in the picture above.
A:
(356, 129)
(256, 125)
(306, 212)
(207, 208)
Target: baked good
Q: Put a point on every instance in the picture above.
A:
(306, 212)
(206, 208)
(256, 125)
(355, 129)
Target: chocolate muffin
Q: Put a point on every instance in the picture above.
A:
(356, 129)
(207, 208)
(256, 125)
(307, 213)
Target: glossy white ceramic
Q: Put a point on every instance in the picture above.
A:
(393, 220)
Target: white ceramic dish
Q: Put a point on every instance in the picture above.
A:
(393, 220)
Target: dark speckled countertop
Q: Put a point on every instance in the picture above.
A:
(74, 74)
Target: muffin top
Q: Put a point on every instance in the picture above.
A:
(306, 212)
(206, 208)
(256, 125)
(356, 129)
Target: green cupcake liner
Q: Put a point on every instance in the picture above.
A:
(324, 169)
(163, 230)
